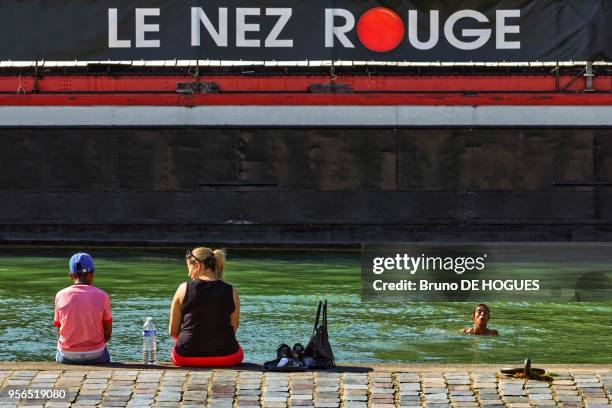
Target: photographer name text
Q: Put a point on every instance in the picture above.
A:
(424, 285)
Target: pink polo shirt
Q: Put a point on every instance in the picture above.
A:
(79, 313)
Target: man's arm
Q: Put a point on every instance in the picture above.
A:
(107, 319)
(108, 330)
(56, 316)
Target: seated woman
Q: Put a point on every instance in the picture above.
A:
(204, 314)
(480, 317)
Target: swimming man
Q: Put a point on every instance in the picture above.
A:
(480, 317)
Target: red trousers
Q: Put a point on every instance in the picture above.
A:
(218, 361)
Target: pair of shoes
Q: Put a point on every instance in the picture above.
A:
(284, 351)
(288, 357)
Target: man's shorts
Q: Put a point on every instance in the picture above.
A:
(102, 358)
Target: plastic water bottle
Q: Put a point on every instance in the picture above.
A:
(149, 342)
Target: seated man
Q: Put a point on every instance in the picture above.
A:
(480, 316)
(82, 316)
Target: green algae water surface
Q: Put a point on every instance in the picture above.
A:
(279, 291)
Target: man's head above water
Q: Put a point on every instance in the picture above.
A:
(481, 316)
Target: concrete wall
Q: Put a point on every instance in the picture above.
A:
(342, 185)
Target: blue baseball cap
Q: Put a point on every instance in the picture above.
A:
(81, 263)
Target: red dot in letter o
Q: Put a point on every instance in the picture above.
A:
(380, 29)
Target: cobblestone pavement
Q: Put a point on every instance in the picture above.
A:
(249, 388)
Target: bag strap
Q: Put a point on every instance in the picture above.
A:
(318, 316)
(324, 321)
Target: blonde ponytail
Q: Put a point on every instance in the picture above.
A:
(219, 255)
(211, 259)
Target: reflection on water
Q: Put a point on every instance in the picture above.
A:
(278, 296)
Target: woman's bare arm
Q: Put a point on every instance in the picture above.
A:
(176, 315)
(235, 317)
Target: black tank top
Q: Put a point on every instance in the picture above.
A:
(206, 329)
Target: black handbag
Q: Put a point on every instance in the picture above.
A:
(318, 347)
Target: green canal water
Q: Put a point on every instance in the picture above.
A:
(279, 291)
